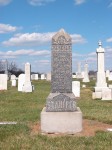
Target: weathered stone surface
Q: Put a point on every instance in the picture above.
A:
(61, 97)
(61, 114)
(61, 80)
(61, 122)
(61, 102)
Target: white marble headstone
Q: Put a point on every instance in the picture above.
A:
(76, 88)
(21, 81)
(3, 81)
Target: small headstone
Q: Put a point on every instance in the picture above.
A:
(21, 80)
(107, 73)
(48, 77)
(13, 77)
(13, 82)
(76, 88)
(3, 81)
(43, 77)
(83, 86)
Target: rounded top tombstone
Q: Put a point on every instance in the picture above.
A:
(61, 38)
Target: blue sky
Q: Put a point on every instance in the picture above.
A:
(27, 26)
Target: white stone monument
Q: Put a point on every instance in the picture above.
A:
(110, 76)
(13, 80)
(21, 81)
(107, 73)
(79, 73)
(101, 77)
(86, 76)
(43, 77)
(27, 87)
(3, 81)
(76, 88)
(48, 77)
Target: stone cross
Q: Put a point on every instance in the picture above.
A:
(61, 97)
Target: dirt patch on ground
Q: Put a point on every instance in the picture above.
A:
(89, 128)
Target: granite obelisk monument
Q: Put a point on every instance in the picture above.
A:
(61, 115)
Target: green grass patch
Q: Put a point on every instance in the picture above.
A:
(25, 108)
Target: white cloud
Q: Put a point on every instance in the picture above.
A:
(38, 53)
(39, 2)
(7, 28)
(35, 39)
(92, 54)
(4, 2)
(43, 62)
(77, 38)
(109, 40)
(79, 2)
(29, 39)
(110, 5)
(30, 52)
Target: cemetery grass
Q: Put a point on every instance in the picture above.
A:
(25, 109)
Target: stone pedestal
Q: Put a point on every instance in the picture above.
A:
(61, 122)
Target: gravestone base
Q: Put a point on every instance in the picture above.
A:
(27, 88)
(107, 94)
(61, 122)
(96, 95)
(85, 80)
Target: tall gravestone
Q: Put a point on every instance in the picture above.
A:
(79, 73)
(86, 76)
(61, 114)
(27, 87)
(101, 76)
